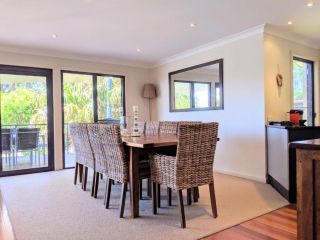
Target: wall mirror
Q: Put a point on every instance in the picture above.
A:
(197, 88)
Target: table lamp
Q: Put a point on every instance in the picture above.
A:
(149, 91)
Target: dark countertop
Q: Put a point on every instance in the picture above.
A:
(313, 144)
(293, 127)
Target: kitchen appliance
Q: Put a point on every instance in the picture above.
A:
(295, 116)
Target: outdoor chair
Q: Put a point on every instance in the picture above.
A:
(6, 144)
(27, 140)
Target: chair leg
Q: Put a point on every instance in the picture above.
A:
(140, 189)
(169, 196)
(159, 195)
(84, 180)
(154, 197)
(182, 215)
(96, 185)
(93, 183)
(80, 172)
(189, 201)
(76, 170)
(123, 199)
(149, 187)
(213, 200)
(196, 194)
(108, 192)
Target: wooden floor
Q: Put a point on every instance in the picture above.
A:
(280, 224)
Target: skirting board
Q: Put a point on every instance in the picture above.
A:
(231, 173)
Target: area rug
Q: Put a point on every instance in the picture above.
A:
(47, 206)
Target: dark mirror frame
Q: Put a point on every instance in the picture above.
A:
(171, 94)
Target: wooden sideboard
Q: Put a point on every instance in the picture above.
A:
(308, 188)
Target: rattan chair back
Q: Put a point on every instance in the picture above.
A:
(168, 127)
(82, 147)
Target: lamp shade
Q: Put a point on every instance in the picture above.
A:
(149, 91)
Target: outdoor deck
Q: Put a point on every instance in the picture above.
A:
(27, 162)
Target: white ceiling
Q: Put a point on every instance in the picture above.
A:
(114, 29)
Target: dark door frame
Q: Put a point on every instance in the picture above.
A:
(95, 100)
(311, 82)
(47, 73)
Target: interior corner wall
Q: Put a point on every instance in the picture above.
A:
(241, 149)
(134, 80)
(278, 55)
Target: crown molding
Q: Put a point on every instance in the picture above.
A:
(290, 36)
(211, 45)
(73, 56)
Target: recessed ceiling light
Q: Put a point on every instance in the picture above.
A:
(192, 25)
(138, 50)
(290, 22)
(310, 4)
(54, 35)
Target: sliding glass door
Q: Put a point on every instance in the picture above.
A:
(87, 98)
(26, 120)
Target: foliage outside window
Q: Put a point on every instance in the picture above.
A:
(109, 97)
(302, 87)
(23, 100)
(182, 95)
(191, 94)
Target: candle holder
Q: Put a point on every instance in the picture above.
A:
(135, 130)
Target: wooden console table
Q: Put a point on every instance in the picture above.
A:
(308, 188)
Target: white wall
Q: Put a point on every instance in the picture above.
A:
(134, 80)
(278, 54)
(241, 150)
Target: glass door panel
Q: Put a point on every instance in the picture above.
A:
(109, 98)
(25, 123)
(303, 87)
(77, 107)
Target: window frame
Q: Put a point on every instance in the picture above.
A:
(192, 94)
(95, 100)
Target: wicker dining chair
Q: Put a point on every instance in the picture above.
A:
(152, 127)
(168, 127)
(141, 127)
(84, 155)
(191, 167)
(111, 159)
(195, 190)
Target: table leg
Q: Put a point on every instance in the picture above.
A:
(134, 181)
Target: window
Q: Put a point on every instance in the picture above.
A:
(182, 95)
(302, 87)
(87, 98)
(196, 88)
(191, 94)
(201, 93)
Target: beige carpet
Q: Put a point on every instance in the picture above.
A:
(47, 206)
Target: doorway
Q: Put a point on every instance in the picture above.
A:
(303, 88)
(88, 98)
(26, 113)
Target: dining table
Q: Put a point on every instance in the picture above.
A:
(137, 146)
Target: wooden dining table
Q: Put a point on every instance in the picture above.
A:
(142, 145)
